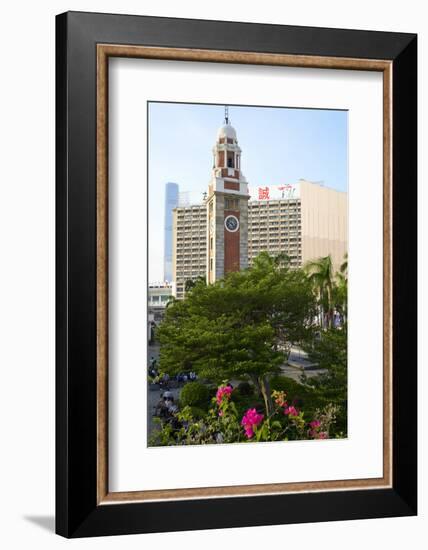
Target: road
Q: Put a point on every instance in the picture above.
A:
(298, 364)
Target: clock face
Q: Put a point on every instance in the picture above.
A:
(231, 223)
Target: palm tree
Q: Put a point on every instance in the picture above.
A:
(320, 273)
(344, 266)
(341, 291)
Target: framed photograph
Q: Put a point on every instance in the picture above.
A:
(236, 274)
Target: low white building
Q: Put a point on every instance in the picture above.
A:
(159, 294)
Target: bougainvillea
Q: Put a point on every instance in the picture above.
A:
(223, 391)
(221, 423)
(291, 411)
(250, 421)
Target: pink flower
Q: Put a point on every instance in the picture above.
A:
(250, 420)
(221, 392)
(249, 431)
(291, 411)
(252, 417)
(318, 435)
(314, 430)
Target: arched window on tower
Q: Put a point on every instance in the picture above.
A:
(230, 160)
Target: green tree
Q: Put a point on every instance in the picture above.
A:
(191, 283)
(240, 327)
(340, 290)
(330, 353)
(321, 274)
(344, 266)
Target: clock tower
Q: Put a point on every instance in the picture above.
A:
(227, 207)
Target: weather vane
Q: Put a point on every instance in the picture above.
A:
(226, 114)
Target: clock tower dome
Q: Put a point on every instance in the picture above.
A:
(227, 207)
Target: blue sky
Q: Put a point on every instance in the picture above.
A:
(279, 146)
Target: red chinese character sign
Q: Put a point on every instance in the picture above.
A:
(274, 192)
(264, 193)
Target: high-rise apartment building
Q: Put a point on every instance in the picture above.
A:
(189, 245)
(275, 226)
(171, 202)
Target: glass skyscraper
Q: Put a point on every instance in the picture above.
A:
(171, 202)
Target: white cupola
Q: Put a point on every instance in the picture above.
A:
(226, 151)
(226, 131)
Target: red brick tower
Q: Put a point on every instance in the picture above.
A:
(227, 207)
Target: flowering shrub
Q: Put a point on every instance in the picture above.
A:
(314, 428)
(222, 424)
(291, 411)
(223, 391)
(250, 421)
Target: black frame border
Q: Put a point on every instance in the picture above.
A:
(77, 512)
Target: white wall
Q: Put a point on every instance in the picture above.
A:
(27, 271)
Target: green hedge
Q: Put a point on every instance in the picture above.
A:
(194, 394)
